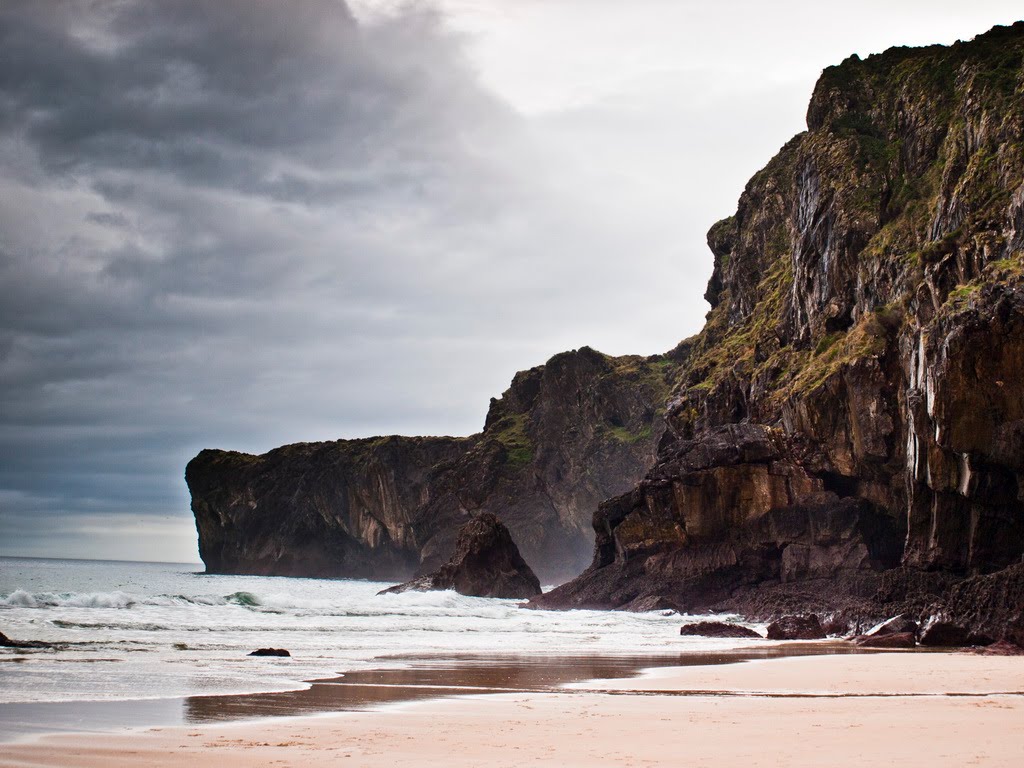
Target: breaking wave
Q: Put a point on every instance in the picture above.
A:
(434, 604)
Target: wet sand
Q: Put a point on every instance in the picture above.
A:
(418, 678)
(914, 709)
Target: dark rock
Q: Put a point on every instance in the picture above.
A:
(270, 652)
(990, 605)
(564, 437)
(717, 629)
(836, 627)
(944, 634)
(652, 603)
(1002, 648)
(894, 626)
(6, 642)
(486, 563)
(796, 628)
(888, 640)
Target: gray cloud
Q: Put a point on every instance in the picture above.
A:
(243, 223)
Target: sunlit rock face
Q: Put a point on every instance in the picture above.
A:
(856, 400)
(565, 436)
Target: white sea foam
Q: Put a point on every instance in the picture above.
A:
(135, 630)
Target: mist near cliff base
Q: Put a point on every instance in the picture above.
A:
(241, 224)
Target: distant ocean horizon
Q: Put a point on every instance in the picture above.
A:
(132, 631)
(197, 563)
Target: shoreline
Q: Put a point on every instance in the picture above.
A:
(916, 708)
(421, 677)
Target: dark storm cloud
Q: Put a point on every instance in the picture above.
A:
(242, 223)
(184, 185)
(194, 89)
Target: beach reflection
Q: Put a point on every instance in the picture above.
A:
(427, 677)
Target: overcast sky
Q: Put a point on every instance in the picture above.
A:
(244, 223)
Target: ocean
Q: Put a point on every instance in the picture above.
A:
(127, 633)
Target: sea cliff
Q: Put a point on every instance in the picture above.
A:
(847, 431)
(565, 436)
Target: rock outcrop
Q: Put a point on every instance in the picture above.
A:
(486, 563)
(565, 436)
(717, 629)
(796, 628)
(282, 652)
(855, 402)
(989, 605)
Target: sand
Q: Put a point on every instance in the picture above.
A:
(907, 709)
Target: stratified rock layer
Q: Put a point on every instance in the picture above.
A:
(855, 402)
(564, 437)
(486, 563)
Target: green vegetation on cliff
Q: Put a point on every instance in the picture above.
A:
(896, 199)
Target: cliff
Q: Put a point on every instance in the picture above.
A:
(565, 436)
(847, 431)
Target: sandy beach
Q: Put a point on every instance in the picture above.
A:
(911, 709)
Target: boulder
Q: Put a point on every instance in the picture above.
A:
(486, 563)
(946, 634)
(897, 625)
(717, 629)
(796, 628)
(270, 652)
(6, 642)
(836, 627)
(888, 640)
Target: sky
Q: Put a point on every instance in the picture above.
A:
(245, 223)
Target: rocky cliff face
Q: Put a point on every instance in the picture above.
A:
(855, 401)
(565, 436)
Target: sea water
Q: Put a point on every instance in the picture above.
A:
(132, 631)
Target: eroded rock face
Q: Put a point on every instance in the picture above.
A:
(319, 509)
(564, 437)
(854, 402)
(486, 563)
(990, 605)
